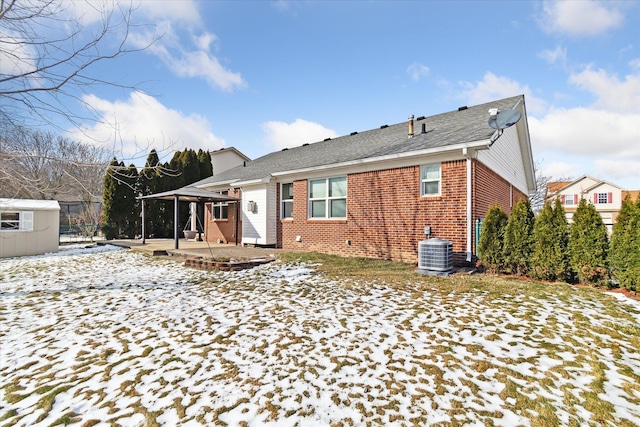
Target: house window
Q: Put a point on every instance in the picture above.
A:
(568, 199)
(16, 221)
(603, 198)
(430, 180)
(220, 210)
(328, 198)
(286, 197)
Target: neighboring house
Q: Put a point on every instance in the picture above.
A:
(372, 193)
(606, 197)
(28, 227)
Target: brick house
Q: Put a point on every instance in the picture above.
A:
(606, 197)
(372, 193)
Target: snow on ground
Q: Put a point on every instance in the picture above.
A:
(102, 335)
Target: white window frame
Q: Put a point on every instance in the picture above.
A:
(220, 205)
(568, 199)
(24, 222)
(286, 201)
(328, 199)
(424, 181)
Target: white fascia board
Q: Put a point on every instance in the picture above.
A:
(263, 180)
(451, 152)
(219, 184)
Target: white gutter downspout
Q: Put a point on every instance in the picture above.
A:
(465, 153)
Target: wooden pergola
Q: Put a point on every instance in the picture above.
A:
(187, 194)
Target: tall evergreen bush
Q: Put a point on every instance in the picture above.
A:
(549, 260)
(490, 243)
(518, 239)
(624, 253)
(119, 201)
(588, 245)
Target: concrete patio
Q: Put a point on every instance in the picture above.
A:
(194, 248)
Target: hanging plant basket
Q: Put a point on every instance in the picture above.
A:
(190, 234)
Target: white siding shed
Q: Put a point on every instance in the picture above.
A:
(28, 227)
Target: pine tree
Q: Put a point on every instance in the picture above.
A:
(624, 253)
(119, 200)
(490, 243)
(204, 160)
(518, 239)
(150, 183)
(588, 245)
(132, 215)
(549, 260)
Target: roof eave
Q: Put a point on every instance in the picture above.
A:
(478, 145)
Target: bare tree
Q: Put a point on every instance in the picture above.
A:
(47, 55)
(88, 221)
(41, 165)
(538, 198)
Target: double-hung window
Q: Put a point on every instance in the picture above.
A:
(430, 180)
(16, 221)
(220, 210)
(328, 198)
(286, 197)
(568, 200)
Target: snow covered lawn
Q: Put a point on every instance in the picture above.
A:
(106, 336)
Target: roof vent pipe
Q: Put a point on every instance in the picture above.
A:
(410, 135)
(424, 128)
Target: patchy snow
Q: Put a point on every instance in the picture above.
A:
(103, 335)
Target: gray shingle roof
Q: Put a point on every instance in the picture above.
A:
(452, 128)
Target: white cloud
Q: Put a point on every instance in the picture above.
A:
(559, 54)
(134, 126)
(634, 64)
(285, 135)
(493, 87)
(17, 56)
(417, 71)
(561, 170)
(619, 170)
(579, 18)
(587, 132)
(613, 94)
(187, 53)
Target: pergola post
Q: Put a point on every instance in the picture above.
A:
(176, 218)
(143, 230)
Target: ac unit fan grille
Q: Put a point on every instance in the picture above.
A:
(435, 255)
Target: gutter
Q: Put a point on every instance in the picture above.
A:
(467, 156)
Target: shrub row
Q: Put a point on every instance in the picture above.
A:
(547, 248)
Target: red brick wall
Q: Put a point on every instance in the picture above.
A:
(490, 189)
(224, 229)
(386, 215)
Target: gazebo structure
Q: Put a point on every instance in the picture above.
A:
(186, 194)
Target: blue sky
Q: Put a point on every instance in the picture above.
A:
(261, 75)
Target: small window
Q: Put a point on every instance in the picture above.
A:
(603, 198)
(16, 221)
(286, 197)
(10, 221)
(430, 180)
(328, 198)
(568, 200)
(220, 210)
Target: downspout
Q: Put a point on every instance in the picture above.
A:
(465, 153)
(176, 214)
(237, 226)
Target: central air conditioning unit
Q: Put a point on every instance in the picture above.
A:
(435, 256)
